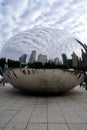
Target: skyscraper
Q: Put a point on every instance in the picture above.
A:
(42, 58)
(32, 56)
(22, 59)
(56, 61)
(74, 60)
(84, 58)
(64, 59)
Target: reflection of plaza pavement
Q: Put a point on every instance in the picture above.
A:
(43, 80)
(20, 111)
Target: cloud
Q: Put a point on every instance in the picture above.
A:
(20, 15)
(45, 41)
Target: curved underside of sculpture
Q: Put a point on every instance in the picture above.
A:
(43, 80)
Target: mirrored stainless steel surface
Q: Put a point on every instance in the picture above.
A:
(44, 60)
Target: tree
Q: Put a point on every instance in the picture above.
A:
(2, 62)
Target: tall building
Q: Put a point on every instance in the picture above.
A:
(22, 59)
(42, 58)
(65, 62)
(1, 72)
(56, 61)
(32, 56)
(74, 60)
(69, 63)
(84, 58)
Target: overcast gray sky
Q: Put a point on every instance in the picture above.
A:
(20, 15)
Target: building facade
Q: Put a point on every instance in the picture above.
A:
(42, 58)
(32, 57)
(22, 59)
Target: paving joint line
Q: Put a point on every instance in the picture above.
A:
(62, 114)
(30, 115)
(12, 117)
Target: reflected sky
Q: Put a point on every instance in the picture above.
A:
(20, 15)
(45, 41)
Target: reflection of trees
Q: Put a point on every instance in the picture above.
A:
(39, 65)
(10, 63)
(53, 66)
(35, 65)
(13, 63)
(75, 62)
(2, 62)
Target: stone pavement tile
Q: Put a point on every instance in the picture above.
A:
(6, 103)
(83, 116)
(81, 99)
(40, 106)
(16, 106)
(30, 100)
(84, 104)
(41, 100)
(65, 107)
(21, 116)
(72, 117)
(50, 113)
(39, 116)
(60, 99)
(77, 106)
(78, 126)
(51, 100)
(27, 107)
(58, 127)
(55, 117)
(5, 116)
(2, 125)
(2, 109)
(37, 127)
(53, 107)
(16, 126)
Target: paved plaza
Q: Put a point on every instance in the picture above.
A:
(20, 111)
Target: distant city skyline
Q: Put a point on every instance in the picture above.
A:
(76, 61)
(47, 41)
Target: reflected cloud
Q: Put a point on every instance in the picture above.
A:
(16, 16)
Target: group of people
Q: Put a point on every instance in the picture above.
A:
(2, 79)
(84, 82)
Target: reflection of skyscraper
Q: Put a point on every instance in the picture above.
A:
(32, 57)
(22, 59)
(84, 58)
(74, 60)
(42, 58)
(56, 61)
(64, 59)
(1, 73)
(69, 63)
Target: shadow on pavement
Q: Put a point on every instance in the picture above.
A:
(15, 92)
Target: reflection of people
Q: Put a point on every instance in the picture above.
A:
(1, 72)
(2, 80)
(6, 66)
(84, 82)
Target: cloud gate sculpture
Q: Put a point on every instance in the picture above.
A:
(44, 60)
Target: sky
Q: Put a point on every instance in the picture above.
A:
(21, 15)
